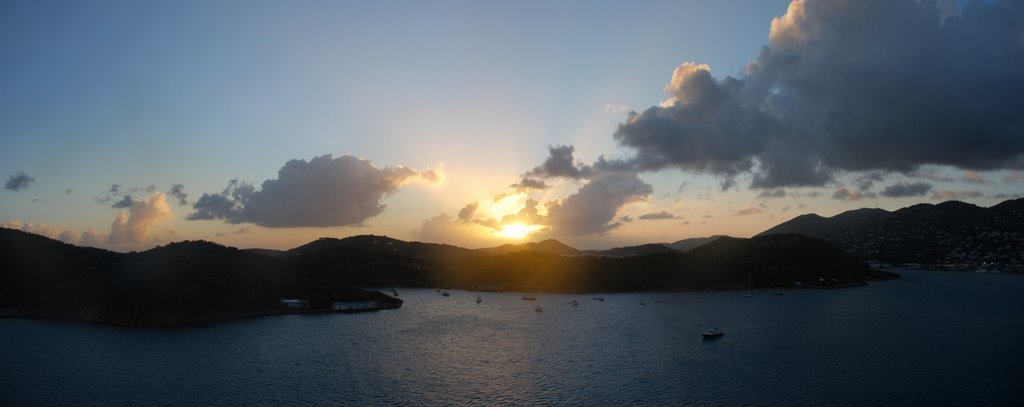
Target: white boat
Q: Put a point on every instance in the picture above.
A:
(538, 308)
(712, 333)
(750, 292)
(528, 296)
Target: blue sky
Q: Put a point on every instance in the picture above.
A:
(143, 94)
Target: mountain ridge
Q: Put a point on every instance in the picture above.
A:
(948, 233)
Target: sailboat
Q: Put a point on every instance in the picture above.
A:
(779, 291)
(750, 287)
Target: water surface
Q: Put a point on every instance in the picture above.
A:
(931, 338)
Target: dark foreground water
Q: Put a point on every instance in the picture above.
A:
(928, 339)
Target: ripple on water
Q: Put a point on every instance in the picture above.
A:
(892, 343)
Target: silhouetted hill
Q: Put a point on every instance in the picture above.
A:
(779, 259)
(551, 246)
(195, 281)
(385, 245)
(640, 250)
(686, 245)
(31, 264)
(950, 232)
(722, 264)
(178, 284)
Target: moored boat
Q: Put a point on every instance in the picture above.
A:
(712, 333)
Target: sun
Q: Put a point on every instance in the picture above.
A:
(517, 230)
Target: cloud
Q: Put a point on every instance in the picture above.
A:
(177, 192)
(71, 236)
(527, 184)
(592, 209)
(657, 215)
(957, 195)
(1013, 177)
(972, 177)
(434, 177)
(528, 215)
(750, 210)
(903, 189)
(326, 191)
(843, 194)
(42, 229)
(125, 202)
(619, 108)
(19, 181)
(1003, 195)
(772, 193)
(92, 238)
(468, 212)
(866, 181)
(134, 226)
(560, 163)
(838, 87)
(443, 229)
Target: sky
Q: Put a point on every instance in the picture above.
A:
(131, 124)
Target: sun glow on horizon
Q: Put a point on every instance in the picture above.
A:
(517, 230)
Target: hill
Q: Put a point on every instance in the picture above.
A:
(384, 245)
(196, 282)
(179, 284)
(550, 246)
(951, 232)
(628, 251)
(686, 245)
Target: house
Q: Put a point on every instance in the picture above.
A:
(356, 306)
(294, 303)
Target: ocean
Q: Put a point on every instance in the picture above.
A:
(930, 338)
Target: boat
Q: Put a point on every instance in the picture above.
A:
(478, 299)
(712, 333)
(642, 302)
(574, 303)
(538, 308)
(394, 293)
(598, 298)
(750, 287)
(445, 293)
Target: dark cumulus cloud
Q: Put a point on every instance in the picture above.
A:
(906, 189)
(124, 203)
(19, 181)
(657, 215)
(592, 209)
(610, 185)
(560, 163)
(322, 192)
(848, 86)
(177, 192)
